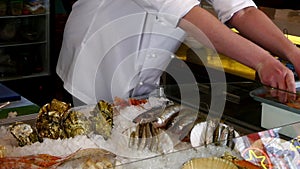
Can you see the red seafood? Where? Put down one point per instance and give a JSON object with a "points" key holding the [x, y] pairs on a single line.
{"points": [[32, 161], [41, 161], [121, 103]]}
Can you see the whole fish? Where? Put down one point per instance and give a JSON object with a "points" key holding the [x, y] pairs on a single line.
{"points": [[149, 115], [167, 115], [182, 124]]}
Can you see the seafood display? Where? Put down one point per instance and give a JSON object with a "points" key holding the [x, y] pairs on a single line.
{"points": [[181, 125], [140, 129], [57, 120], [170, 118]]}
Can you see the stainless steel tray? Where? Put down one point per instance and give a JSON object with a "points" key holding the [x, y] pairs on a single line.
{"points": [[263, 95]]}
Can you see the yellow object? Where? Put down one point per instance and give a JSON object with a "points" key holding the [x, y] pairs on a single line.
{"points": [[294, 39]]}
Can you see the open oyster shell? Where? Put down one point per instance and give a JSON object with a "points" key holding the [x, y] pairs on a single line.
{"points": [[24, 133], [211, 162]]}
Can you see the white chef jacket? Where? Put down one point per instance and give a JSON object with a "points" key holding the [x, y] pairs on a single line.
{"points": [[120, 47]]}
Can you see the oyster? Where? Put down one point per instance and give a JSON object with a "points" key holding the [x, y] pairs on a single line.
{"points": [[48, 123], [75, 123], [59, 106], [102, 119], [57, 120], [24, 133]]}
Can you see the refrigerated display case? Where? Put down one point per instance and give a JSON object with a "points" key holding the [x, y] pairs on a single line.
{"points": [[26, 57], [24, 39], [266, 148]]}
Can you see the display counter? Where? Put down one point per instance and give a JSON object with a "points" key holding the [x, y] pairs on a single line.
{"points": [[267, 149], [236, 140]]}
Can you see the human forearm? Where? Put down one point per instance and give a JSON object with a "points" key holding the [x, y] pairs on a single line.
{"points": [[198, 22], [257, 27], [266, 34]]}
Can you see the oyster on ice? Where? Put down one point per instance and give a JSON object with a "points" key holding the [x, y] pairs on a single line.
{"points": [[75, 123], [24, 133], [48, 123], [102, 119]]}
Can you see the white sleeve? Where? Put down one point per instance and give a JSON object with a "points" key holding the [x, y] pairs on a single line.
{"points": [[169, 11], [226, 8]]}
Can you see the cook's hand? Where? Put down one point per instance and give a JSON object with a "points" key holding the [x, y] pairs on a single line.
{"points": [[273, 73]]}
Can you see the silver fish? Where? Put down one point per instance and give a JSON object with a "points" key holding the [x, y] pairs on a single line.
{"points": [[217, 134], [231, 135], [167, 115], [182, 124], [211, 126], [224, 135]]}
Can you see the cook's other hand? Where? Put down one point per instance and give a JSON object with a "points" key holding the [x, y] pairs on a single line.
{"points": [[274, 74]]}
